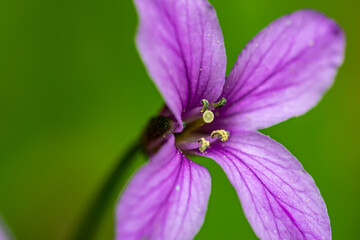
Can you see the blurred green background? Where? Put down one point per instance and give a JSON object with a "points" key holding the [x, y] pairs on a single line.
{"points": [[74, 95]]}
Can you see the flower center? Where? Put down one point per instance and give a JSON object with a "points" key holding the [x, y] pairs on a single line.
{"points": [[194, 135], [192, 132]]}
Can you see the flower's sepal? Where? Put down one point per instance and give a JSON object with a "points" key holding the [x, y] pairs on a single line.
{"points": [[158, 129]]}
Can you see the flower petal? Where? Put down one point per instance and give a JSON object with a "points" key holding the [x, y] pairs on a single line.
{"points": [[166, 199], [3, 232], [283, 71], [280, 200], [181, 44]]}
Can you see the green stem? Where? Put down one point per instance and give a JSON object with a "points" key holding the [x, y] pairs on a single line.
{"points": [[106, 196]]}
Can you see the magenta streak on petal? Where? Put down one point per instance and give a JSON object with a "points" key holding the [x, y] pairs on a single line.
{"points": [[267, 197], [166, 199], [268, 179], [243, 83], [279, 67], [181, 44], [276, 43], [283, 71], [280, 200]]}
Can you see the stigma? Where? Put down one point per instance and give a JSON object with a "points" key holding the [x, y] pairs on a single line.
{"points": [[208, 116]]}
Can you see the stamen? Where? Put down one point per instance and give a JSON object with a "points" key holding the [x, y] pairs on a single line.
{"points": [[205, 104], [220, 103], [204, 144], [221, 134], [208, 116]]}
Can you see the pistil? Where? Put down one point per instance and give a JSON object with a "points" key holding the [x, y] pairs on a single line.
{"points": [[207, 117]]}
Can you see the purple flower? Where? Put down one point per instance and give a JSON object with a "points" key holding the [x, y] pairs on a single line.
{"points": [[281, 73]]}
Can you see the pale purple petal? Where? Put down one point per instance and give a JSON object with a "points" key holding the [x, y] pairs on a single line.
{"points": [[284, 71], [181, 44], [166, 199], [3, 232], [280, 199]]}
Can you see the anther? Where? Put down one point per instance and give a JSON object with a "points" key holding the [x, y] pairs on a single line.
{"points": [[221, 134], [220, 103], [208, 116], [205, 104], [204, 144]]}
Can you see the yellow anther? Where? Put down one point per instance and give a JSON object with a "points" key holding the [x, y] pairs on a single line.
{"points": [[205, 104], [204, 144], [221, 134], [208, 116]]}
